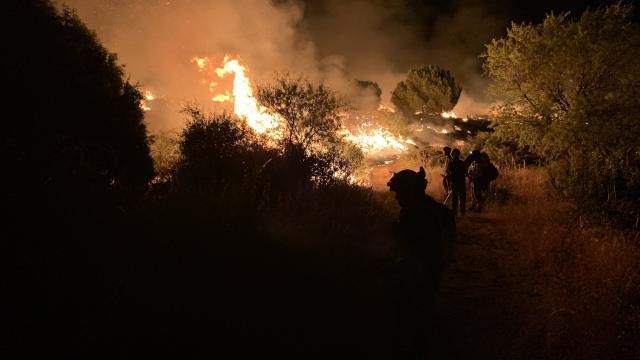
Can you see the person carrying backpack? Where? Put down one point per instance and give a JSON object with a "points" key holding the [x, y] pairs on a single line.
{"points": [[482, 172], [490, 173]]}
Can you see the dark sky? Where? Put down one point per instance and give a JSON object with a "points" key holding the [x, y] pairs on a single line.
{"points": [[423, 16], [404, 33]]}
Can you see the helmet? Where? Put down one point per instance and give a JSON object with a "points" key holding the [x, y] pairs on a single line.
{"points": [[408, 181]]}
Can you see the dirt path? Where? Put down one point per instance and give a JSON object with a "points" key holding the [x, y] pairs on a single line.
{"points": [[478, 312]]}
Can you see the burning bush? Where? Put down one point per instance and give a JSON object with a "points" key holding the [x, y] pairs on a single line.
{"points": [[310, 114], [310, 120], [218, 148]]}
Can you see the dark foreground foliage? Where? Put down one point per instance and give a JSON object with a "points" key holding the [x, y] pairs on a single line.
{"points": [[73, 134]]}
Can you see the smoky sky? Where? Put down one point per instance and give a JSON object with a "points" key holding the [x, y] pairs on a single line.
{"points": [[334, 41]]}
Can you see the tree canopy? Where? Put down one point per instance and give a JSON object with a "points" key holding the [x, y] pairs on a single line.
{"points": [[571, 87], [311, 115], [428, 89], [310, 112]]}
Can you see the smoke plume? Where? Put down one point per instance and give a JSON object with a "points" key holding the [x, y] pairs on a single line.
{"points": [[332, 41]]}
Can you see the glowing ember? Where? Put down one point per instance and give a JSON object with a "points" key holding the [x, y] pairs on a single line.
{"points": [[144, 103], [221, 97], [384, 107], [202, 63], [448, 114], [372, 140]]}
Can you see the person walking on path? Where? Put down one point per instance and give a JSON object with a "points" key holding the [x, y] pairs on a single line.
{"points": [[456, 173]]}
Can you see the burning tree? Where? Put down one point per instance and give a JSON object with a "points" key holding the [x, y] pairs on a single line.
{"points": [[572, 89], [310, 117], [310, 113], [428, 90]]}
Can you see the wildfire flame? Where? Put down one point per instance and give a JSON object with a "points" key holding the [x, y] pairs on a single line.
{"points": [[371, 139], [245, 104], [221, 97], [384, 107], [448, 114], [144, 103]]}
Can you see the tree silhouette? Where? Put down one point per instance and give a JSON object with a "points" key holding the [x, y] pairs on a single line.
{"points": [[428, 89], [311, 147], [310, 113], [216, 147], [74, 134]]}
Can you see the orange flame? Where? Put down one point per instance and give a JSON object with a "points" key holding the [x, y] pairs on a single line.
{"points": [[245, 105], [373, 139], [448, 114], [147, 96], [369, 138], [384, 107]]}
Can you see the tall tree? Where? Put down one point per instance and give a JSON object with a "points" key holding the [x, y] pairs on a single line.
{"points": [[73, 133], [428, 89]]}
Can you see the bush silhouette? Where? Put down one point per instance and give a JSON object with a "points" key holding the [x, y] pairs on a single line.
{"points": [[218, 147]]}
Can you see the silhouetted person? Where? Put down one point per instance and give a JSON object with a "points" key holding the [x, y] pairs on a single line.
{"points": [[490, 173], [446, 151], [473, 156], [479, 175], [427, 231], [456, 172]]}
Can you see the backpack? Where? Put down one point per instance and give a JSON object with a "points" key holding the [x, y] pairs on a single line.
{"points": [[492, 172]]}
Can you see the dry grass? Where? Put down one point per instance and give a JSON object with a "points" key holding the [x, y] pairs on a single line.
{"points": [[583, 279]]}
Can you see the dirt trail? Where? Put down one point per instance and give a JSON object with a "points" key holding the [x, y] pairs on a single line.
{"points": [[478, 311]]}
